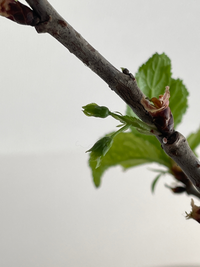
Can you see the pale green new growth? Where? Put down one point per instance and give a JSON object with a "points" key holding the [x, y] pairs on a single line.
{"points": [[133, 148]]}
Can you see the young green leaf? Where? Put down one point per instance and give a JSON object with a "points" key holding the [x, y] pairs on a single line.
{"points": [[129, 150], [139, 125], [132, 149], [194, 140], [99, 149], [154, 75], [152, 78], [103, 112], [178, 100]]}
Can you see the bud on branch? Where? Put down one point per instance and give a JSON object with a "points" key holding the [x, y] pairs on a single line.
{"points": [[16, 11], [195, 213], [160, 112]]}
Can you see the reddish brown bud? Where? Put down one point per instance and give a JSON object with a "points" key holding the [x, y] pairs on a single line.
{"points": [[16, 11], [178, 189], [195, 213], [160, 112], [179, 175]]}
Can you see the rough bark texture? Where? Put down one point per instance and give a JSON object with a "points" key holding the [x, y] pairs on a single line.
{"points": [[175, 145]]}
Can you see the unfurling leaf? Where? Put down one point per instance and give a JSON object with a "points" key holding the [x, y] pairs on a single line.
{"points": [[99, 149], [16, 11]]}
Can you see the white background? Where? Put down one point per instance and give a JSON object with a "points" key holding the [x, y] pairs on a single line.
{"points": [[50, 212]]}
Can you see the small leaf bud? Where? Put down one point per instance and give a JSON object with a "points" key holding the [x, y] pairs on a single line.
{"points": [[96, 111], [100, 148], [160, 112]]}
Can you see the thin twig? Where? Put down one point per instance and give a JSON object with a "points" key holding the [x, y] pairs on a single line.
{"points": [[124, 85]]}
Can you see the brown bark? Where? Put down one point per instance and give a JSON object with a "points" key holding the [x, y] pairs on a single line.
{"points": [[123, 84]]}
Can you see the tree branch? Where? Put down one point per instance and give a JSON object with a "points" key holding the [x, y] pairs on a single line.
{"points": [[178, 149], [122, 84], [174, 144]]}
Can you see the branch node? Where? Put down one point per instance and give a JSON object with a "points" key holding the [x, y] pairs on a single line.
{"points": [[126, 72], [43, 25]]}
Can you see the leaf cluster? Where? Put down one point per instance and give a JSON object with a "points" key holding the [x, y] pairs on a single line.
{"points": [[138, 145]]}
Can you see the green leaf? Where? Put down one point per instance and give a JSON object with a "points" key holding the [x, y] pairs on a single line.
{"points": [[194, 140], [134, 122], [154, 75], [178, 100], [152, 78], [133, 149], [129, 150], [155, 182], [99, 149]]}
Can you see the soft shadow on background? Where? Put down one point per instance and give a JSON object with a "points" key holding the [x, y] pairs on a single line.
{"points": [[51, 213]]}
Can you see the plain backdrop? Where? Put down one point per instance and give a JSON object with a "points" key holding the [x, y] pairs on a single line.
{"points": [[51, 215]]}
